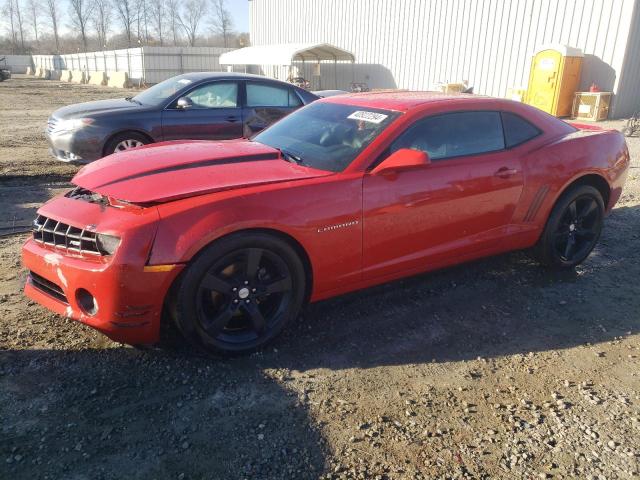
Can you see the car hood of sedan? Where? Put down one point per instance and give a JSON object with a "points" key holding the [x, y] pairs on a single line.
{"points": [[169, 171], [95, 107]]}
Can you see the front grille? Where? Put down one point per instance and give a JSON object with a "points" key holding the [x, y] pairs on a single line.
{"points": [[48, 287], [51, 125], [67, 237]]}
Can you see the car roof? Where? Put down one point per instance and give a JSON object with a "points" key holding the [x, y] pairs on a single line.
{"points": [[197, 76], [405, 100]]}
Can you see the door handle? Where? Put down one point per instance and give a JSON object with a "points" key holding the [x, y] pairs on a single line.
{"points": [[232, 118], [505, 172]]}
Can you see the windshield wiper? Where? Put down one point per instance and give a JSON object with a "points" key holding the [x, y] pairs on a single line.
{"points": [[290, 157], [133, 100]]}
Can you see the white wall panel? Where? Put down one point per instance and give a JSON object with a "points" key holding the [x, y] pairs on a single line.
{"points": [[416, 43], [627, 97], [128, 60], [144, 65], [16, 63]]}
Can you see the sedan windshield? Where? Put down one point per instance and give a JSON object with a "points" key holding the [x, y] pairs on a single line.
{"points": [[162, 91], [326, 136]]}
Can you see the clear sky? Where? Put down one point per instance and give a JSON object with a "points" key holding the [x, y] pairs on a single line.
{"points": [[239, 9]]}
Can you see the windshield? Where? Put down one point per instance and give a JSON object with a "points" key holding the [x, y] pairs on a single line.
{"points": [[162, 91], [327, 136]]}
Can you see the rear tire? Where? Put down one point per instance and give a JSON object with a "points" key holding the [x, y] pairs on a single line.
{"points": [[125, 141], [239, 293], [573, 228]]}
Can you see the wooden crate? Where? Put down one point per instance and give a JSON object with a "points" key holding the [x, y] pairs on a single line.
{"points": [[592, 106], [450, 87], [517, 94]]}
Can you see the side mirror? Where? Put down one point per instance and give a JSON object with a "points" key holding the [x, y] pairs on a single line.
{"points": [[403, 159], [183, 103]]}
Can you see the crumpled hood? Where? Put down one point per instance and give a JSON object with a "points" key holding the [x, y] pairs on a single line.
{"points": [[96, 107], [168, 171]]}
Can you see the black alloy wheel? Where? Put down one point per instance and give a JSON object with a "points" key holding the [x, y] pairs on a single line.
{"points": [[243, 295], [578, 229], [240, 293], [573, 228]]}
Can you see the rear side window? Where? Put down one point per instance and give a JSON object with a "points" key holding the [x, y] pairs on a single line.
{"points": [[517, 130], [260, 95], [294, 99], [454, 135]]}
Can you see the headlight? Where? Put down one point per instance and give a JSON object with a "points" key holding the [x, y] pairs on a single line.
{"points": [[73, 124], [107, 244]]}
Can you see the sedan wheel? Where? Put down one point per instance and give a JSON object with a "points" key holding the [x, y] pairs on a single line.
{"points": [[127, 145], [125, 141], [239, 293]]}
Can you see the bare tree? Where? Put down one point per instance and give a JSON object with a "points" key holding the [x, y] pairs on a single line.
{"points": [[222, 21], [157, 10], [52, 7], [192, 13], [34, 17], [9, 11], [126, 11], [101, 20], [142, 21], [174, 24], [81, 11], [19, 23]]}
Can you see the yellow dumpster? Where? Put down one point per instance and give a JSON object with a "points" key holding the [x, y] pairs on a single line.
{"points": [[554, 78]]}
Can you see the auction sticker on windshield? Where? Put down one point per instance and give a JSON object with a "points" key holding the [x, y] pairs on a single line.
{"points": [[372, 117]]}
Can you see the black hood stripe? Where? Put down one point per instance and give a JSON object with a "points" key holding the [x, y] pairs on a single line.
{"points": [[199, 164]]}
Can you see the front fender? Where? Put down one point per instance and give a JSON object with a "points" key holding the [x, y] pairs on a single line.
{"points": [[185, 230], [145, 123], [310, 214]]}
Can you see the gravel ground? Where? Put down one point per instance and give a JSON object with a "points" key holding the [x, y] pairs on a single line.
{"points": [[494, 369]]}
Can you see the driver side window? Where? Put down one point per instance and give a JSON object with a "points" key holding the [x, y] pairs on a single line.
{"points": [[454, 135], [215, 95]]}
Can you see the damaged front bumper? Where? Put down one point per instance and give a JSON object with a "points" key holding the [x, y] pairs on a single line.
{"points": [[118, 295]]}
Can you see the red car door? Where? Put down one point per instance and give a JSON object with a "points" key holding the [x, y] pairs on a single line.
{"points": [[458, 204]]}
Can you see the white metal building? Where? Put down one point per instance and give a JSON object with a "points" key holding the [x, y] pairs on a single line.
{"points": [[415, 44]]}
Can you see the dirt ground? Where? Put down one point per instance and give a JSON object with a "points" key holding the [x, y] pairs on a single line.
{"points": [[495, 369]]}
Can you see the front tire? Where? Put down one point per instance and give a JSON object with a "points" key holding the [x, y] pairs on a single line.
{"points": [[573, 228], [125, 141], [239, 293]]}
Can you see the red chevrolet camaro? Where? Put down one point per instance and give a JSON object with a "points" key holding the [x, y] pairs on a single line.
{"points": [[227, 240]]}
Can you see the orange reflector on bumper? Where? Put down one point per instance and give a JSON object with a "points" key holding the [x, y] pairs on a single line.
{"points": [[159, 268]]}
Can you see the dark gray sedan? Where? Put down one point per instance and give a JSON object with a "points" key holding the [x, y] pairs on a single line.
{"points": [[201, 106]]}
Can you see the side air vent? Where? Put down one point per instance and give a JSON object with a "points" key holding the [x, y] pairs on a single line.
{"points": [[536, 203]]}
